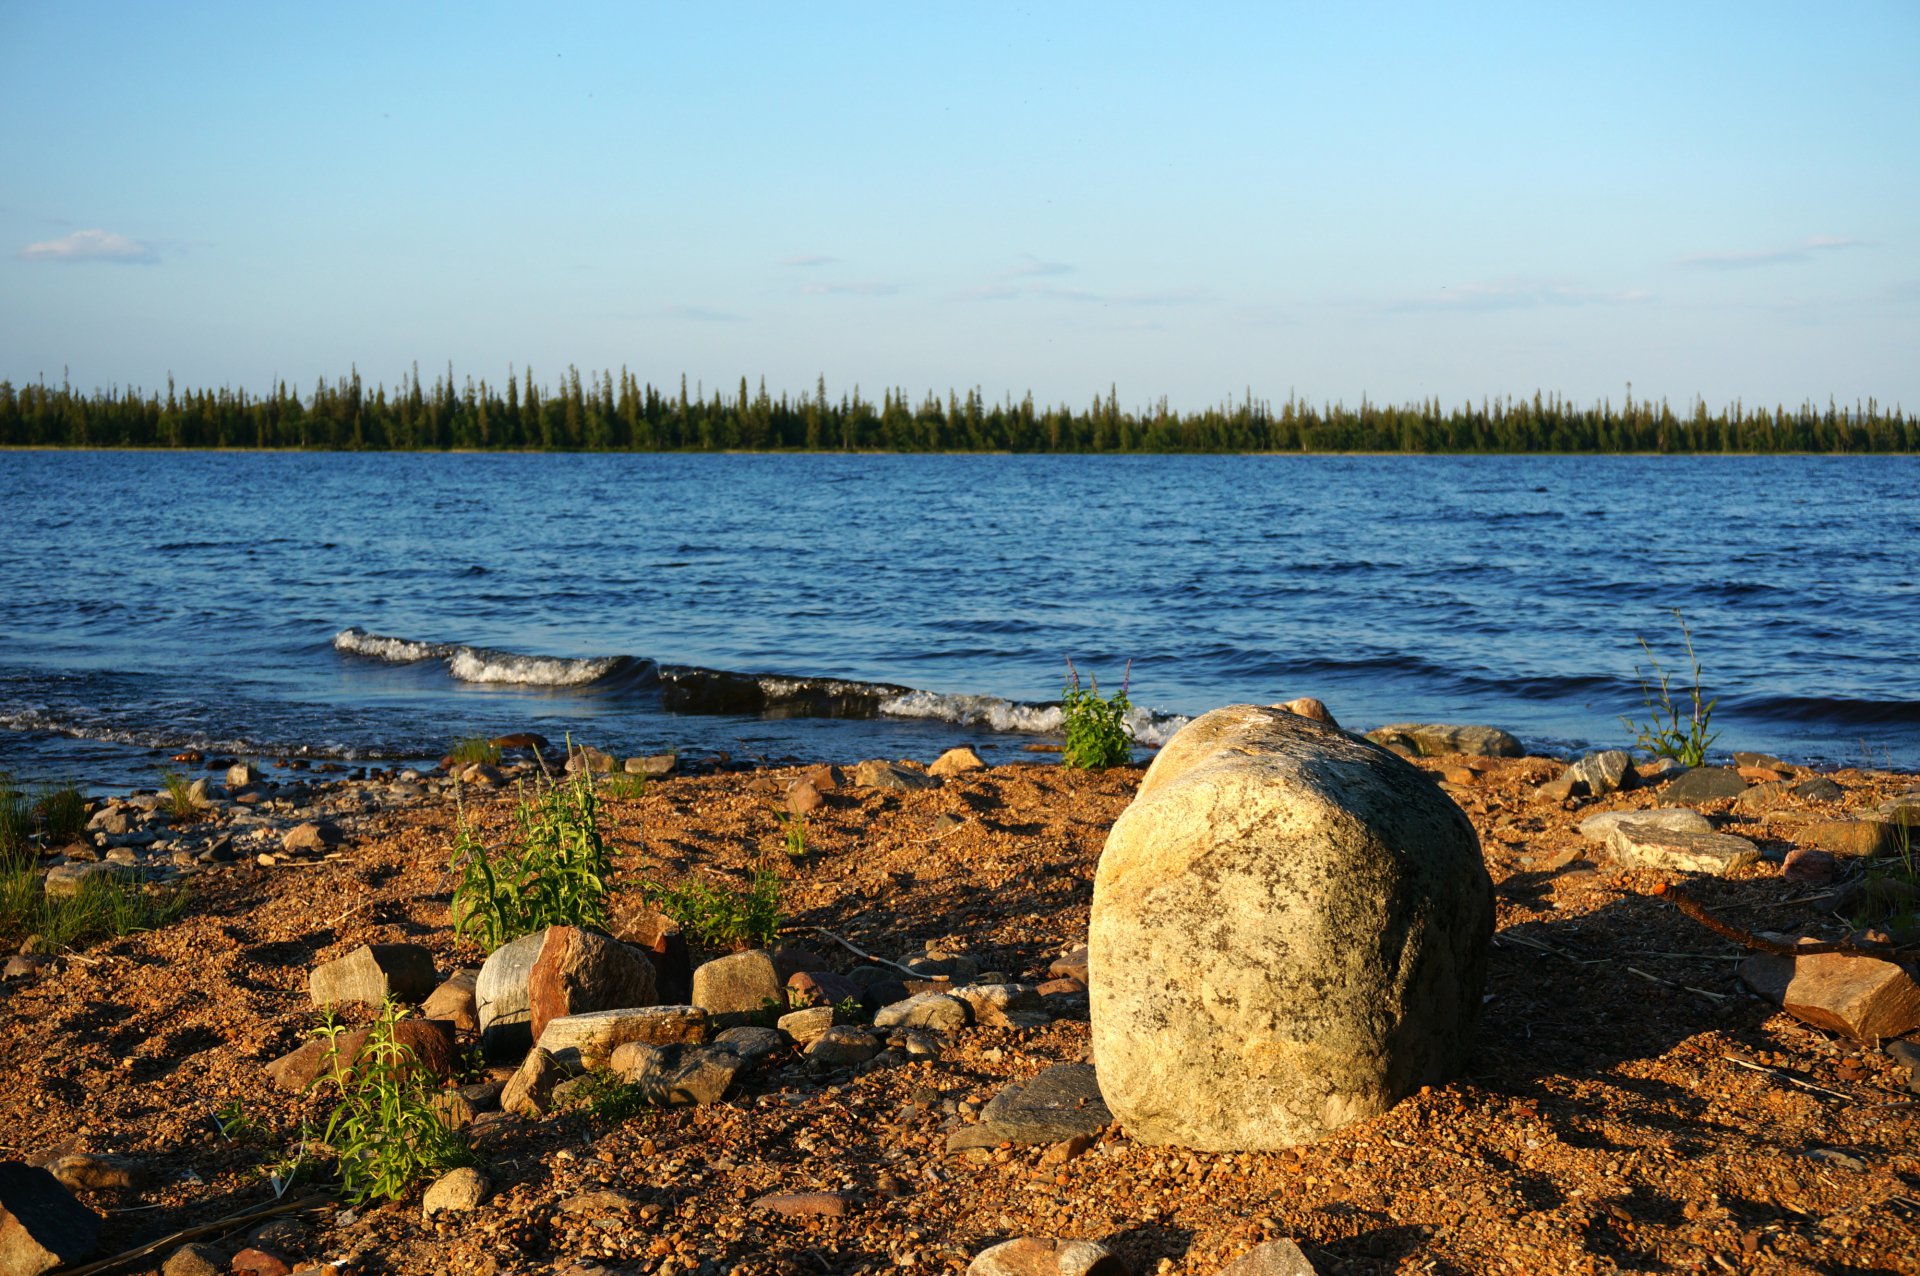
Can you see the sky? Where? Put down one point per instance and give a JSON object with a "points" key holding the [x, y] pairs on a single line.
{"points": [[1396, 201]]}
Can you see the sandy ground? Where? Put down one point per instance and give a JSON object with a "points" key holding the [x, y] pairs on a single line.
{"points": [[1630, 1106]]}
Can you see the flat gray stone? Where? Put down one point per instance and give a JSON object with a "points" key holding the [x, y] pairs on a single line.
{"points": [[588, 1041], [886, 775], [1274, 1258], [736, 988], [1603, 773], [753, 1045], [1646, 846], [935, 1010], [1060, 1103], [371, 974], [1704, 784], [1431, 739], [1600, 827]]}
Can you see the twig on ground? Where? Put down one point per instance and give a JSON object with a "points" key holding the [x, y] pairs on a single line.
{"points": [[1716, 996], [1788, 1077], [1747, 939], [226, 1224], [857, 952]]}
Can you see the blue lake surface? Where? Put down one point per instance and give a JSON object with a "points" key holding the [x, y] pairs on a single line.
{"points": [[380, 606]]}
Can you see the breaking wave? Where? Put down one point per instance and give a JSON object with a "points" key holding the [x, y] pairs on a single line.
{"points": [[694, 689], [482, 664]]}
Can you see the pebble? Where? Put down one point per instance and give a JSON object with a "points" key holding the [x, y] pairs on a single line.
{"points": [[805, 1204]]}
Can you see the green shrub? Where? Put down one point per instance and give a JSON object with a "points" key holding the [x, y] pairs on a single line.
{"points": [[557, 875], [62, 813], [612, 1100], [1098, 735], [106, 906], [630, 788], [474, 748], [1673, 730], [16, 824], [719, 916], [384, 1129], [180, 801]]}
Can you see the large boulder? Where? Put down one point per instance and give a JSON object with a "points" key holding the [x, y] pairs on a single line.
{"points": [[1289, 933], [41, 1225], [500, 999], [580, 971]]}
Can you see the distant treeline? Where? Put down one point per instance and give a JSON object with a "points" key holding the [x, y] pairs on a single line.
{"points": [[609, 413]]}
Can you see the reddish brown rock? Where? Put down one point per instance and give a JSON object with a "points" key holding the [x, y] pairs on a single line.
{"points": [[430, 1040], [803, 798], [259, 1262], [311, 838], [1805, 865], [821, 988], [956, 762], [580, 971], [791, 959], [453, 1001], [661, 938], [805, 1204], [1860, 997], [1071, 966]]}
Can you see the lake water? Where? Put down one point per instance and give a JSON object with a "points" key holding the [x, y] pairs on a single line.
{"points": [[381, 606]]}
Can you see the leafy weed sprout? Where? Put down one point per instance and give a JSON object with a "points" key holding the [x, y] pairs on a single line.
{"points": [[1673, 730], [1098, 735], [557, 875], [384, 1129], [627, 788], [180, 800], [793, 835], [720, 916], [611, 1100], [104, 906], [472, 749]]}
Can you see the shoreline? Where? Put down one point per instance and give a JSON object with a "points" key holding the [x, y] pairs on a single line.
{"points": [[1610, 1117]]}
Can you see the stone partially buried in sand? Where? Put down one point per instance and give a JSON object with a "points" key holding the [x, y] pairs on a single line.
{"points": [[1289, 933], [1431, 739], [1637, 845], [500, 999], [1861, 997]]}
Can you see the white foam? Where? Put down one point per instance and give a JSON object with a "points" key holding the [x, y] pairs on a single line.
{"points": [[474, 664], [998, 714], [400, 651]]}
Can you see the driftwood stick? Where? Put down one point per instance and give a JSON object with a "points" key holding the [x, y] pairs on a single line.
{"points": [[1747, 939], [857, 952], [226, 1224]]}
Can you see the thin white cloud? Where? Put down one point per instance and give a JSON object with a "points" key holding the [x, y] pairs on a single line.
{"points": [[808, 259], [1517, 294], [92, 245], [993, 292], [700, 314], [1162, 297], [1803, 251], [866, 288], [1031, 267]]}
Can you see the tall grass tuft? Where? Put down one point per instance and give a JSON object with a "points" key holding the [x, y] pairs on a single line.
{"points": [[557, 875], [384, 1129], [105, 906]]}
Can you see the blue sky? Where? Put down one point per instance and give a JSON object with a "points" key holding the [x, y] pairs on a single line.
{"points": [[1389, 200]]}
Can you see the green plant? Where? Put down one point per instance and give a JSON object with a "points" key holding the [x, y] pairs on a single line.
{"points": [[234, 1124], [630, 788], [384, 1129], [16, 824], [1673, 730], [62, 813], [610, 1099], [1098, 734], [472, 749], [793, 835], [181, 803], [105, 905], [557, 875], [719, 916]]}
